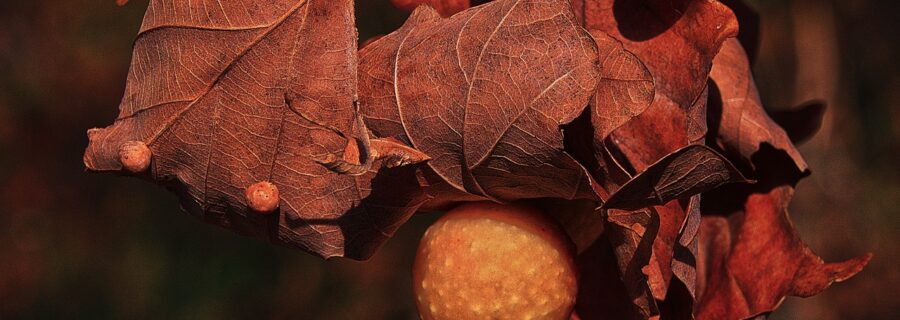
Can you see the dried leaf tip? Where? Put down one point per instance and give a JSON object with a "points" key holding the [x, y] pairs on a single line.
{"points": [[262, 197], [134, 156]]}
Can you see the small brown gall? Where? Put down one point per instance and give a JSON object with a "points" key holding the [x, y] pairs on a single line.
{"points": [[134, 156], [262, 197], [490, 261]]}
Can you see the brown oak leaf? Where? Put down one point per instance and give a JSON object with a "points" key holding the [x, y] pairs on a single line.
{"points": [[625, 91], [665, 36], [484, 94], [227, 94], [751, 257], [691, 170], [632, 234], [681, 175]]}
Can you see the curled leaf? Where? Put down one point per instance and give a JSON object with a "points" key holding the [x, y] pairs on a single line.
{"points": [[487, 107], [665, 36], [739, 123], [359, 156], [625, 91], [632, 234], [653, 244], [691, 170], [751, 257]]}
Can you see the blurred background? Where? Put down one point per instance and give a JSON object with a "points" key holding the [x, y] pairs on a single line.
{"points": [[74, 244]]}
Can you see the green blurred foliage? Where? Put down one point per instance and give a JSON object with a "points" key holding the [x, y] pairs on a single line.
{"points": [[80, 245]]}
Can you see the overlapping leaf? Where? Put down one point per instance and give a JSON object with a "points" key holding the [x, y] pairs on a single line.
{"points": [[751, 256], [625, 91], [664, 35], [227, 94], [484, 93], [686, 172]]}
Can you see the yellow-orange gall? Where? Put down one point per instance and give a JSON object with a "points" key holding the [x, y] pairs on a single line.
{"points": [[134, 156], [262, 197], [491, 261]]}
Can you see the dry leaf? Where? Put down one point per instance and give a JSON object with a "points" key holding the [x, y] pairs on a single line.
{"points": [[739, 122], [225, 98], [751, 256], [487, 107], [503, 101], [625, 91], [749, 21], [665, 36], [632, 234], [691, 170]]}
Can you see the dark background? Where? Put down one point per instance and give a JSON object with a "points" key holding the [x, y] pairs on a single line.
{"points": [[74, 244]]}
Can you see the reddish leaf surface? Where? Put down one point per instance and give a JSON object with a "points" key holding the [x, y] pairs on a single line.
{"points": [[491, 102], [751, 256], [652, 244], [227, 95], [686, 172], [684, 248], [625, 91], [501, 79], [665, 36]]}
